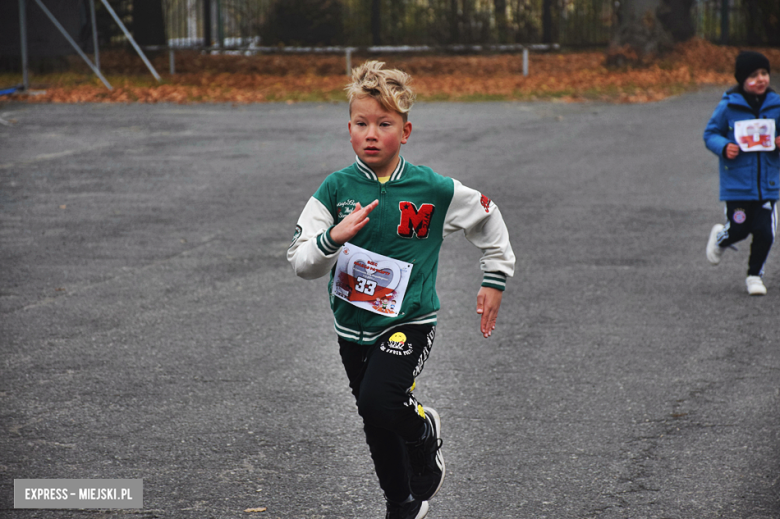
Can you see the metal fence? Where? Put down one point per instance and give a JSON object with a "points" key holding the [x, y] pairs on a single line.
{"points": [[742, 22], [395, 22], [569, 23]]}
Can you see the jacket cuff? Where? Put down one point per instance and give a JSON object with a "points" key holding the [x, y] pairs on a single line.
{"points": [[326, 245], [495, 280]]}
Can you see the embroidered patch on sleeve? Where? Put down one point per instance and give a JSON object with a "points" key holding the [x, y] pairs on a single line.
{"points": [[485, 201], [298, 231]]}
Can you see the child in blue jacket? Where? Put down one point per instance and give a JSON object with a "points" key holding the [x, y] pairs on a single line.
{"points": [[742, 132]]}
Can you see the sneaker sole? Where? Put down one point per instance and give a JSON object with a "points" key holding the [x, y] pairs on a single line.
{"points": [[423, 511], [439, 456]]}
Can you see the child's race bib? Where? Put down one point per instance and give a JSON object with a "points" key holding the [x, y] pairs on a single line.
{"points": [[371, 281], [755, 134]]}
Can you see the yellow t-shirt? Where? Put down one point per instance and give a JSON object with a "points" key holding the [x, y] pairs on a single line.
{"points": [[382, 180]]}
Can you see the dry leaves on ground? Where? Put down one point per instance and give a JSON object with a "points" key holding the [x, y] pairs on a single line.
{"points": [[575, 76]]}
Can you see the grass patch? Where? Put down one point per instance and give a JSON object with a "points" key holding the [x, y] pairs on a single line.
{"points": [[481, 98], [435, 97]]}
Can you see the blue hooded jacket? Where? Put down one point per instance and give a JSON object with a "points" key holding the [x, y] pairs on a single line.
{"points": [[751, 175]]}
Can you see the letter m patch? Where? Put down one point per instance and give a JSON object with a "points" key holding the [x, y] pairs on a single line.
{"points": [[415, 221]]}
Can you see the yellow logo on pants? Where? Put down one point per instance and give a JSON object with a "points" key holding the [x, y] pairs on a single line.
{"points": [[398, 337], [397, 345]]}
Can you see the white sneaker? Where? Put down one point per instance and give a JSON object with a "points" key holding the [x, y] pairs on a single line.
{"points": [[714, 252], [755, 286]]}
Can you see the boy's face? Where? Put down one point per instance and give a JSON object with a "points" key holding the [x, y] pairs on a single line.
{"points": [[376, 134], [757, 82]]}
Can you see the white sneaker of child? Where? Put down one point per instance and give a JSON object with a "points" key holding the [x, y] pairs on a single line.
{"points": [[755, 286], [714, 252]]}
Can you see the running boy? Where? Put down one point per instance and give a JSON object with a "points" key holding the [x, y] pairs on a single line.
{"points": [[742, 132], [383, 278]]}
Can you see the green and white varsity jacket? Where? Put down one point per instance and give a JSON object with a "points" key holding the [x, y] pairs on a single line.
{"points": [[417, 209]]}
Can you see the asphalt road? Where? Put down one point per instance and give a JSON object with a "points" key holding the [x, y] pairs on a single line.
{"points": [[151, 328]]}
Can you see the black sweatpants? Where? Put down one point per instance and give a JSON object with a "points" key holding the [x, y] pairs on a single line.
{"points": [[751, 217], [381, 377]]}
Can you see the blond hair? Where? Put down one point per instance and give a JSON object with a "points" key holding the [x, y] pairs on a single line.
{"points": [[390, 87]]}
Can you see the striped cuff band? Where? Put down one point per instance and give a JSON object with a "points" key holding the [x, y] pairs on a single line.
{"points": [[326, 244], [495, 280]]}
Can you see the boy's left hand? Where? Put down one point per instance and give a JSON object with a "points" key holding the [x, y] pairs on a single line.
{"points": [[488, 303], [351, 225], [777, 142]]}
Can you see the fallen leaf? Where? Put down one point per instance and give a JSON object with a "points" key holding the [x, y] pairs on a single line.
{"points": [[562, 76], [253, 510]]}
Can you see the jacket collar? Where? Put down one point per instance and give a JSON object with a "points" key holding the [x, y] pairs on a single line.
{"points": [[735, 98], [369, 173], [772, 99]]}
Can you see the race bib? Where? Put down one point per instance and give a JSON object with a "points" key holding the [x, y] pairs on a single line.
{"points": [[371, 281], [755, 134]]}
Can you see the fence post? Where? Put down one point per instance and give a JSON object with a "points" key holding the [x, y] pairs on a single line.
{"points": [[348, 52], [525, 61], [171, 61], [724, 21], [94, 33], [23, 34]]}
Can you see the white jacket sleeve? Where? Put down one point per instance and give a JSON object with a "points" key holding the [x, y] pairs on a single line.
{"points": [[484, 226], [312, 253]]}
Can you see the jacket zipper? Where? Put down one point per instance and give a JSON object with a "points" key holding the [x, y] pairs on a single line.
{"points": [[382, 193], [758, 160], [377, 233]]}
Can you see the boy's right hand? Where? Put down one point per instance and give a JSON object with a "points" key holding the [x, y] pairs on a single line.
{"points": [[732, 150], [351, 225]]}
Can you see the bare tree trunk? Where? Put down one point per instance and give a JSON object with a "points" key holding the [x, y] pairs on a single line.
{"points": [[207, 23], [148, 22], [764, 21], [454, 21], [649, 28], [376, 22], [501, 28], [752, 23], [547, 21], [675, 17]]}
